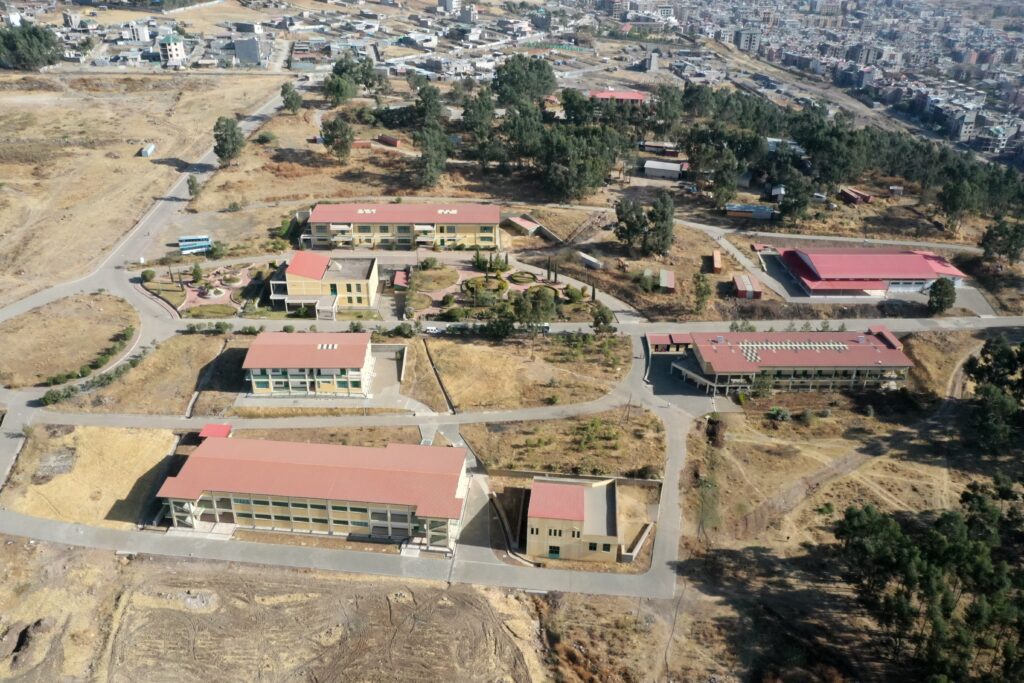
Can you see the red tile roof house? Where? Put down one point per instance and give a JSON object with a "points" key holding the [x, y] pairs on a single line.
{"points": [[573, 519], [314, 280], [404, 226], [310, 364], [728, 363], [866, 272], [394, 493]]}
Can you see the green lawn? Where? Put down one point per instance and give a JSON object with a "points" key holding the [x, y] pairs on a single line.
{"points": [[418, 301], [358, 315], [168, 291], [211, 311]]}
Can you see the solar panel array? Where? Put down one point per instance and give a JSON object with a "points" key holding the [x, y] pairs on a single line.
{"points": [[751, 350]]}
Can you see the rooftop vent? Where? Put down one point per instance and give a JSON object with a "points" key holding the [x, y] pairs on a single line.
{"points": [[861, 338], [327, 347]]}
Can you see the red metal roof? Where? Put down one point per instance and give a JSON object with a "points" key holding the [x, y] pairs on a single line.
{"points": [[307, 350], [556, 500], [426, 477], [873, 264], [221, 430], [483, 214], [308, 264], [619, 95], [732, 352], [659, 339], [745, 283], [401, 279]]}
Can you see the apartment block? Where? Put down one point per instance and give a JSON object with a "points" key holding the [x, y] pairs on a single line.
{"points": [[309, 364], [396, 493], [404, 226], [325, 285], [573, 519]]}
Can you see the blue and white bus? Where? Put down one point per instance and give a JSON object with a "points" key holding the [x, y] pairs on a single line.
{"points": [[194, 244]]}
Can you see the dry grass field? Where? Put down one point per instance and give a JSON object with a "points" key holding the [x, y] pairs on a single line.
{"points": [[36, 345], [619, 442], [101, 476], [543, 372], [69, 164], [339, 436], [562, 222], [90, 615], [163, 383], [768, 497]]}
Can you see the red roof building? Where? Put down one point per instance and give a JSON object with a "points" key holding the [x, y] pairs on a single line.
{"points": [[310, 364], [400, 491], [730, 362], [573, 519], [634, 96], [404, 226], [867, 272], [454, 214], [308, 264], [218, 430]]}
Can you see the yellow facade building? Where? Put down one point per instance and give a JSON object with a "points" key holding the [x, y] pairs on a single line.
{"points": [[573, 519], [326, 285], [310, 364], [404, 226]]}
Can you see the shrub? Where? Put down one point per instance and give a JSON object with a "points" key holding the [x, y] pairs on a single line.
{"points": [[551, 400], [288, 328], [573, 294], [806, 417], [234, 206], [779, 415], [148, 275], [356, 326], [825, 509], [404, 330], [447, 300], [265, 138], [222, 327], [429, 263], [250, 330]]}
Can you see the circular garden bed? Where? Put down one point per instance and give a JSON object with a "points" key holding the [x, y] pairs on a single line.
{"points": [[537, 288], [493, 284], [522, 277]]}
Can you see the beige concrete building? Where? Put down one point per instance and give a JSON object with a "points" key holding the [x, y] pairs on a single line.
{"points": [[310, 364], [404, 226], [397, 493], [573, 519], [326, 285]]}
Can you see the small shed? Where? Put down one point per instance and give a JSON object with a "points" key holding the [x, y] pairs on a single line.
{"points": [[746, 287], [754, 211], [716, 261], [147, 150], [667, 280], [389, 140], [895, 190], [215, 430], [662, 169]]}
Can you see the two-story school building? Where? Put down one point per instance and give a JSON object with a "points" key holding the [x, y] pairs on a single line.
{"points": [[573, 519], [325, 285], [394, 493], [404, 226], [730, 362], [309, 364]]}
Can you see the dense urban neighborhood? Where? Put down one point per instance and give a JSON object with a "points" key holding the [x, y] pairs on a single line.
{"points": [[511, 341]]}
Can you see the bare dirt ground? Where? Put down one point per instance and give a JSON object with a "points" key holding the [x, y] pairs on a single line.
{"points": [[550, 373], [420, 382], [769, 495], [69, 164], [619, 442], [690, 254], [88, 615], [101, 476], [562, 222], [34, 346], [342, 436], [163, 383]]}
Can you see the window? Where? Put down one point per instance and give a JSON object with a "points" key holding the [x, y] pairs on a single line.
{"points": [[359, 287], [534, 531], [399, 517], [259, 516], [379, 516], [607, 547], [348, 286], [280, 503], [317, 506], [365, 228], [593, 547], [355, 384], [575, 533], [241, 501], [404, 229], [383, 228], [262, 384], [486, 228], [319, 520], [359, 299], [340, 508], [486, 238], [554, 532], [256, 501], [300, 519], [350, 299], [351, 509], [243, 515], [358, 523]]}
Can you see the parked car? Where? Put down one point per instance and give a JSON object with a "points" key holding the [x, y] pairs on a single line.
{"points": [[432, 330]]}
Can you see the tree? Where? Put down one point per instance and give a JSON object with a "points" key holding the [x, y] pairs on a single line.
{"points": [[798, 196], [478, 118], [631, 222], [652, 232], [197, 273], [428, 105], [957, 198], [291, 98], [603, 318], [361, 72], [28, 47], [433, 146], [337, 136], [1003, 239], [941, 296], [993, 415], [523, 131], [726, 168], [534, 306], [701, 291], [147, 275], [228, 139], [578, 108], [338, 89], [999, 363], [194, 188], [523, 78]]}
